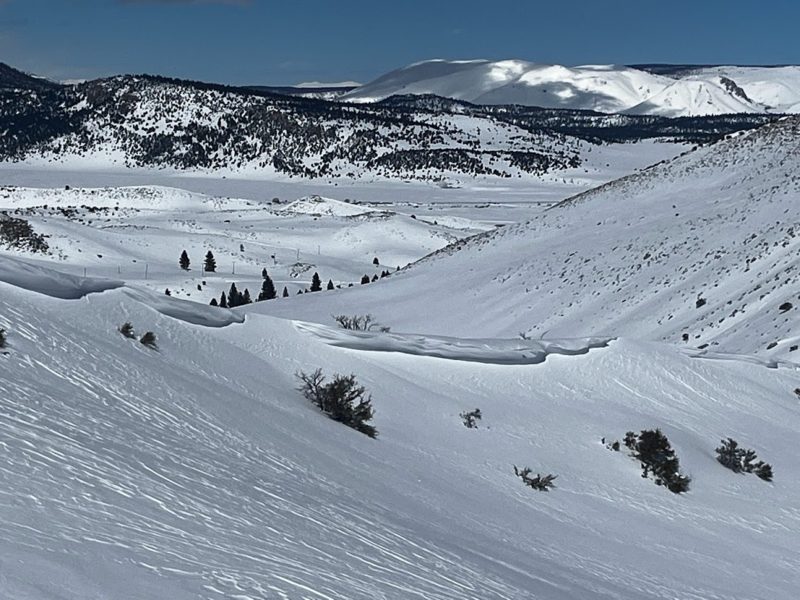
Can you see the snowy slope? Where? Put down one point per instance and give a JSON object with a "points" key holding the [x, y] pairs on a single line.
{"points": [[197, 471], [776, 87], [704, 245], [137, 233], [696, 97], [602, 88]]}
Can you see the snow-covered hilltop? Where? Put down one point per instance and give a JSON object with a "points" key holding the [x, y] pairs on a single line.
{"points": [[602, 88]]}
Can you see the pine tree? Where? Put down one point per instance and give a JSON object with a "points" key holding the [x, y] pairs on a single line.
{"points": [[167, 292], [246, 297], [223, 301], [214, 302], [365, 279], [264, 274], [316, 283], [234, 297], [267, 289], [375, 277], [285, 292], [210, 264], [375, 261], [184, 261], [730, 455], [330, 284]]}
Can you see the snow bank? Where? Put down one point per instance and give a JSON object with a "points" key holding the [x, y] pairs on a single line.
{"points": [[489, 351], [50, 282], [185, 310]]}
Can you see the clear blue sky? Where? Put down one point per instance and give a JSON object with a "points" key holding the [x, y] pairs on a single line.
{"points": [[289, 41]]}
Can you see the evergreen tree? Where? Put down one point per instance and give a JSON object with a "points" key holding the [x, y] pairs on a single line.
{"points": [[316, 283], [267, 289], [264, 274], [246, 297], [223, 301], [365, 279], [375, 277], [167, 292], [214, 302], [730, 455], [210, 262], [234, 297], [330, 284], [285, 292], [375, 261], [184, 261]]}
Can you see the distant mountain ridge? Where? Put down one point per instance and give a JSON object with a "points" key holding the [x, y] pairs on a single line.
{"points": [[666, 90], [14, 79], [150, 121]]}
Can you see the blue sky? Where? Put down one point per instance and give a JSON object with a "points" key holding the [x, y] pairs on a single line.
{"points": [[282, 42]]}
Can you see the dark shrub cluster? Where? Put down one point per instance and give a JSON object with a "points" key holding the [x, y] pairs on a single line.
{"points": [[18, 233], [742, 460], [359, 323], [543, 483], [148, 338], [471, 418], [342, 399], [652, 448]]}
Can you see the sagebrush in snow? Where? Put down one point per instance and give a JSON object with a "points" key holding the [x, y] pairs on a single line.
{"points": [[471, 418], [360, 323], [149, 339], [342, 399], [543, 483], [126, 329]]}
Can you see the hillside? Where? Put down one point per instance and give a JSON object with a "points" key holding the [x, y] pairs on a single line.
{"points": [[702, 246], [198, 471], [601, 88], [154, 122], [145, 122], [14, 79]]}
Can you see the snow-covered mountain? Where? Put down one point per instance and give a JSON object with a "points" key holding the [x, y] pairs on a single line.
{"points": [[154, 122], [144, 121], [602, 88], [700, 250]]}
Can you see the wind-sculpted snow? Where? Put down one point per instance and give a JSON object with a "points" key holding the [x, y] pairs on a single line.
{"points": [[184, 310], [490, 351], [198, 471], [50, 282]]}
